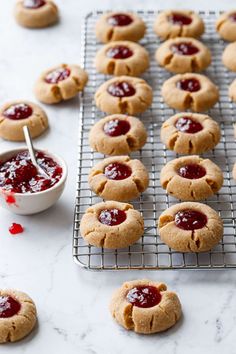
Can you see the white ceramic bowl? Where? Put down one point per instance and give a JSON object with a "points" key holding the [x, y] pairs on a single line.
{"points": [[32, 203]]}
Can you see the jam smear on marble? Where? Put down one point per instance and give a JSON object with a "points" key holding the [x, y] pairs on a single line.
{"points": [[57, 75], [190, 219], [144, 296], [116, 127], [188, 125], [184, 49], [121, 89], [112, 217], [117, 171], [8, 306], [119, 52], [179, 19], [19, 175], [34, 4], [18, 111], [192, 171], [15, 229], [119, 20], [191, 85]]}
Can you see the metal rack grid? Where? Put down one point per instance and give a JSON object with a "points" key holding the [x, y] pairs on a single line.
{"points": [[150, 252]]}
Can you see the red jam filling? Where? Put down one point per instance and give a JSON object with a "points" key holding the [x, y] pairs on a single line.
{"points": [[18, 111], [184, 49], [190, 220], [233, 17], [119, 20], [15, 229], [144, 296], [121, 89], [119, 52], [8, 306], [57, 75], [116, 127], [179, 19], [191, 85], [112, 217], [34, 4], [117, 171], [19, 175], [192, 171], [187, 125]]}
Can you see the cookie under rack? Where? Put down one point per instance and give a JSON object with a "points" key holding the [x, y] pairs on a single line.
{"points": [[150, 253]]}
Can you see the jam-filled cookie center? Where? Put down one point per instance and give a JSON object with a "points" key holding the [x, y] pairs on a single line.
{"points": [[191, 85], [8, 306], [192, 171], [179, 19], [18, 111], [144, 296], [117, 171], [57, 75], [119, 52], [184, 48], [112, 217], [119, 20], [33, 4], [116, 127], [190, 219], [121, 89], [188, 125], [232, 17]]}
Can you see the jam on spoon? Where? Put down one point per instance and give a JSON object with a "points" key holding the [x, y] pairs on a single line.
{"points": [[144, 296], [112, 217]]}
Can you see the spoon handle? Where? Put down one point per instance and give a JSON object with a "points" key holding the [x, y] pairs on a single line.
{"points": [[30, 145]]}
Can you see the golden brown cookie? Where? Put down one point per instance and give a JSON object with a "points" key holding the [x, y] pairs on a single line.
{"points": [[15, 114], [178, 23], [122, 58], [191, 178], [190, 227], [118, 178], [228, 57], [145, 306], [190, 91], [120, 26], [111, 225], [190, 133], [17, 315], [117, 134], [226, 26], [181, 55], [124, 94], [59, 83], [36, 13]]}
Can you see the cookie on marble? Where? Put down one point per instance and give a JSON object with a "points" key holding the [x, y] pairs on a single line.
{"points": [[190, 133], [181, 55], [15, 114], [124, 94], [36, 13], [191, 178], [117, 134], [118, 178], [228, 57], [190, 227], [178, 23], [17, 315], [226, 26], [145, 306], [120, 26], [111, 225], [60, 83], [190, 91], [122, 58]]}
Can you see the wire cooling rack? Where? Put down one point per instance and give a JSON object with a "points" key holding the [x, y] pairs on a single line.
{"points": [[149, 252]]}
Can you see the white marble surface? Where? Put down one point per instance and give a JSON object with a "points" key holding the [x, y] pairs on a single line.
{"points": [[72, 303]]}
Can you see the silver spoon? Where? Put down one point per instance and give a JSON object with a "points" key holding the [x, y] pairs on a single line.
{"points": [[30, 146]]}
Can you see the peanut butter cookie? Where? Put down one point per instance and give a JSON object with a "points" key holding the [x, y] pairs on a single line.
{"points": [[228, 57], [226, 26]]}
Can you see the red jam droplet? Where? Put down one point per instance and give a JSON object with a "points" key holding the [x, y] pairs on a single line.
{"points": [[18, 111], [191, 85], [19, 175], [15, 229], [184, 49], [34, 4], [116, 127], [112, 217], [117, 171], [119, 20], [119, 52], [57, 75], [233, 17], [10, 199], [180, 19], [144, 296], [190, 220], [121, 89], [187, 125], [8, 306], [192, 171]]}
